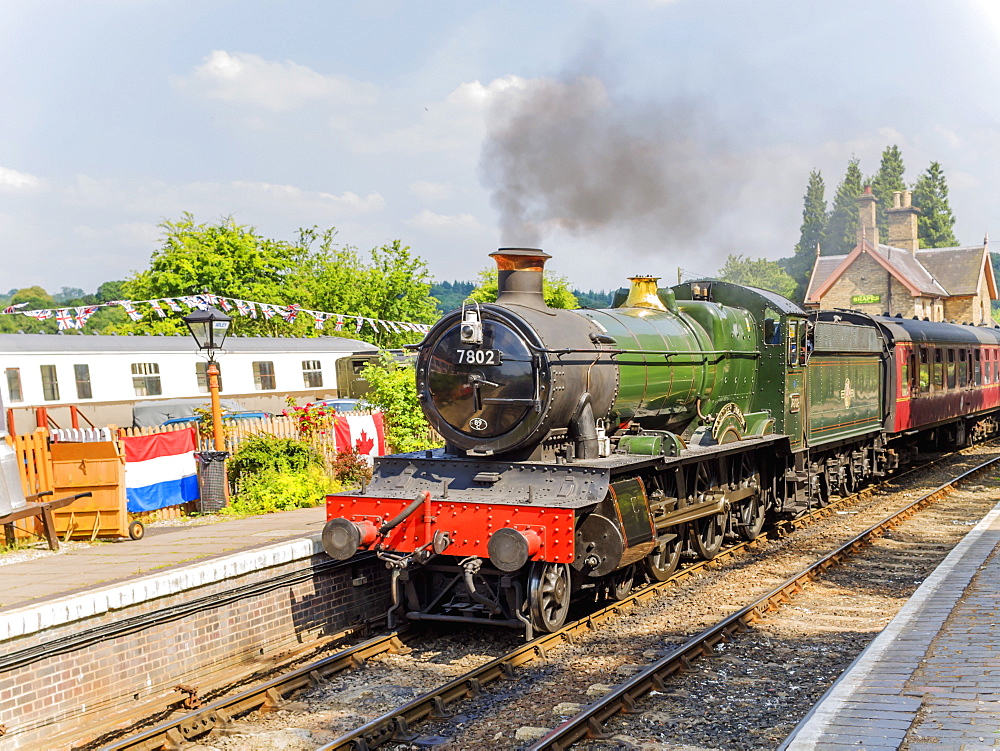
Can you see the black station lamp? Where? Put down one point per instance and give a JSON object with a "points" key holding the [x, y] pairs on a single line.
{"points": [[209, 328]]}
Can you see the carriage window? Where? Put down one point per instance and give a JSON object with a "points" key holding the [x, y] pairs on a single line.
{"points": [[978, 375], [904, 375], [925, 378], [263, 375], [312, 374], [201, 373], [146, 379], [50, 383], [963, 369], [82, 374], [14, 384], [938, 373], [951, 368]]}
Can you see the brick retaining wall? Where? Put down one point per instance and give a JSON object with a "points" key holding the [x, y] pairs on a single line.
{"points": [[59, 697]]}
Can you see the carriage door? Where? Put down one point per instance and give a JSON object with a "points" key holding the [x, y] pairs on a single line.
{"points": [[795, 381]]}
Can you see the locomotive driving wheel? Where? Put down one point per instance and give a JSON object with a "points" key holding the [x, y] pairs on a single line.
{"points": [[709, 531], [662, 562], [749, 513], [548, 595]]}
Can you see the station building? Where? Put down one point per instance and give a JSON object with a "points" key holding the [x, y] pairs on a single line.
{"points": [[900, 278]]}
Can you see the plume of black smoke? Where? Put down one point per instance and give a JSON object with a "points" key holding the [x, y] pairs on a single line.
{"points": [[567, 155]]}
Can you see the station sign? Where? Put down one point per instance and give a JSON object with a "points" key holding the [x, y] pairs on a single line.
{"points": [[865, 299]]}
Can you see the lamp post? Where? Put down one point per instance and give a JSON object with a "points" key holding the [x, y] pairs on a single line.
{"points": [[209, 328]]}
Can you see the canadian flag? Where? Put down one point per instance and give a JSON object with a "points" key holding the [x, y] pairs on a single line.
{"points": [[363, 432]]}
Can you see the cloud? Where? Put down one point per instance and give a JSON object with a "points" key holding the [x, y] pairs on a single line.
{"points": [[347, 201], [446, 224], [430, 191], [455, 123], [244, 79], [20, 182]]}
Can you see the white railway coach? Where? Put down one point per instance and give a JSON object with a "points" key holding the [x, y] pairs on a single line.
{"points": [[103, 376]]}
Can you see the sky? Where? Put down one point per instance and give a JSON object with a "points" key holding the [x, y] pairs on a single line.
{"points": [[627, 137]]}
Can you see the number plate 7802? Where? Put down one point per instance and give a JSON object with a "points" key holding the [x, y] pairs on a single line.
{"points": [[472, 356]]}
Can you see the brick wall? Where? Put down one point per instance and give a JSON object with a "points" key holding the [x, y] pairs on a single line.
{"points": [[49, 702], [866, 276]]}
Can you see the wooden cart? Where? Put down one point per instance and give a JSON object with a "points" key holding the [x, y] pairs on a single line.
{"points": [[97, 468]]}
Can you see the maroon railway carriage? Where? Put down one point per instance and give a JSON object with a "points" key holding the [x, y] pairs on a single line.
{"points": [[943, 375], [939, 375]]}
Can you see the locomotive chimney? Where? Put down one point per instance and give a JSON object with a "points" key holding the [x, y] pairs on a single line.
{"points": [[519, 276], [644, 293]]}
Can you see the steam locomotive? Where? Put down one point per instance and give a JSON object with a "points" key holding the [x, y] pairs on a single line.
{"points": [[588, 448]]}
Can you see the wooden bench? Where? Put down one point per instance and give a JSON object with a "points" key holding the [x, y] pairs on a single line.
{"points": [[42, 509]]}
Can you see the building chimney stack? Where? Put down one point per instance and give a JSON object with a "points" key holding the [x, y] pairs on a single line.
{"points": [[867, 224], [903, 231]]}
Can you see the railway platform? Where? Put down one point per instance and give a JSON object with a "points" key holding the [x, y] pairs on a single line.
{"points": [[931, 679], [167, 558]]}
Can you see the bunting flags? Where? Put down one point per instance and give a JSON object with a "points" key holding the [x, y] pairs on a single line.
{"points": [[65, 319], [291, 313], [76, 318], [246, 308], [84, 314]]}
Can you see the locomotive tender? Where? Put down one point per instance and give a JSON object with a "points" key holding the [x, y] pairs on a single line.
{"points": [[587, 448]]}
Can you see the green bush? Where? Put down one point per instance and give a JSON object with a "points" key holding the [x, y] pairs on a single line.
{"points": [[276, 474], [392, 388], [274, 490], [261, 452]]}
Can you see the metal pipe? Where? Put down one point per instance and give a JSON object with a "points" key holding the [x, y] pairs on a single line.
{"points": [[404, 514]]}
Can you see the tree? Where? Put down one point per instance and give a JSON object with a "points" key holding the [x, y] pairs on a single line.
{"points": [[884, 183], [812, 234], [936, 223], [555, 289], [69, 296], [394, 286], [36, 298], [842, 229], [758, 273], [110, 291], [225, 259]]}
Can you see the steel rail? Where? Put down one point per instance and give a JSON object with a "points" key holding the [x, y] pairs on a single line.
{"points": [[268, 695], [588, 723], [394, 725]]}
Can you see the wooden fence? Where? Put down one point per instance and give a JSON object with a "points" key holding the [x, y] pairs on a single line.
{"points": [[34, 460], [238, 431]]}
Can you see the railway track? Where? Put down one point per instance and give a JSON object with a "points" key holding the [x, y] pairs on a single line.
{"points": [[436, 708]]}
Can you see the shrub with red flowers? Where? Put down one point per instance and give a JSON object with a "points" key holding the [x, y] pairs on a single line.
{"points": [[310, 420], [351, 468]]}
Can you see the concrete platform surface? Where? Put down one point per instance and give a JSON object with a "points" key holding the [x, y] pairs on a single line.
{"points": [[78, 581], [931, 679]]}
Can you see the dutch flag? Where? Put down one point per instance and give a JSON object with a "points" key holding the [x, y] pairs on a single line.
{"points": [[160, 470]]}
